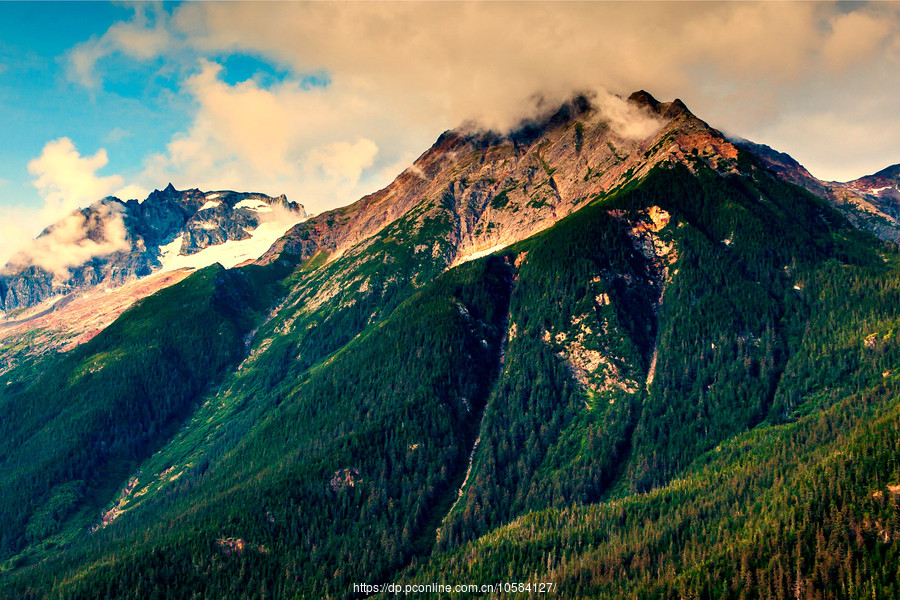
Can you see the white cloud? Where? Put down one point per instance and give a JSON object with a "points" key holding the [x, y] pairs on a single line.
{"points": [[131, 192], [18, 227], [484, 60], [625, 119], [739, 65], [313, 144], [343, 162], [402, 72], [74, 240], [68, 180], [144, 37]]}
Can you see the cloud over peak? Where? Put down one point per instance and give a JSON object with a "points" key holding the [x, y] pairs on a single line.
{"points": [[392, 76], [76, 239], [67, 180]]}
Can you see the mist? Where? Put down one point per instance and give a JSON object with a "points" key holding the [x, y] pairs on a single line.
{"points": [[75, 240]]}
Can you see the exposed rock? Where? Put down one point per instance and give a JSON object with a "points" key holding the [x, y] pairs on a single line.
{"points": [[231, 544], [110, 515], [113, 242], [499, 189], [63, 323], [344, 478]]}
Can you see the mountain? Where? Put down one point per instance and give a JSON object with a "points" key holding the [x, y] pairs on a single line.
{"points": [[610, 354], [73, 319], [872, 203], [496, 189], [112, 242]]}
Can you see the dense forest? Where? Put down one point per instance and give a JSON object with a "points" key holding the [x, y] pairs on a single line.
{"points": [[687, 388]]}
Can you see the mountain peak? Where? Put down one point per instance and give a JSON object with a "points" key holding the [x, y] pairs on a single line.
{"points": [[645, 98], [674, 109], [892, 172], [667, 110], [170, 189]]}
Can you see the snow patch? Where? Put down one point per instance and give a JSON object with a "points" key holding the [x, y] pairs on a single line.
{"points": [[212, 195], [210, 204], [229, 254], [171, 249], [254, 204]]}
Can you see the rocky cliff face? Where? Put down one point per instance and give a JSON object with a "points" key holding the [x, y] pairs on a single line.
{"points": [[112, 242]]}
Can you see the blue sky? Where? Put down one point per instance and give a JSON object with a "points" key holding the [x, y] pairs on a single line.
{"points": [[36, 99], [328, 101]]}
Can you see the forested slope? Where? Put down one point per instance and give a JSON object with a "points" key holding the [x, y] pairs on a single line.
{"points": [[686, 387]]}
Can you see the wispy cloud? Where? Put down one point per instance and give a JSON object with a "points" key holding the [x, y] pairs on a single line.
{"points": [[625, 119], [144, 37], [117, 135]]}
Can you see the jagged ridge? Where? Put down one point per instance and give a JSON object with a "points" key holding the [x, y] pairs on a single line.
{"points": [[119, 241]]}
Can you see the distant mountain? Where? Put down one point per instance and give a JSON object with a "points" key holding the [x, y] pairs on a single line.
{"points": [[609, 354], [872, 203], [113, 242], [881, 189]]}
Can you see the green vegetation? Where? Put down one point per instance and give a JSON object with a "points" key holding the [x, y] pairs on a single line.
{"points": [[74, 425], [615, 153], [499, 201], [328, 469], [688, 388]]}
